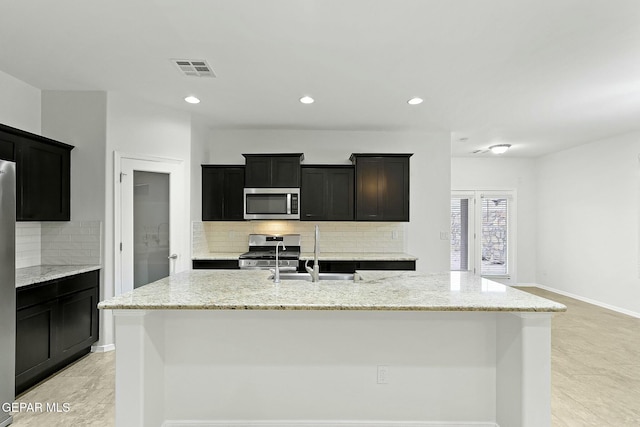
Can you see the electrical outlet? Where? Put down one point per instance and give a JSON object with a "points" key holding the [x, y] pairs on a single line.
{"points": [[445, 235], [383, 374], [394, 235]]}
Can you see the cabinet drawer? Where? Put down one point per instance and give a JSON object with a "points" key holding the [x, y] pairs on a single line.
{"points": [[78, 283]]}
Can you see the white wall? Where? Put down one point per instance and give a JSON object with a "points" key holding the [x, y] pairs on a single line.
{"points": [[79, 118], [199, 152], [505, 173], [588, 213], [19, 104], [430, 172], [138, 127]]}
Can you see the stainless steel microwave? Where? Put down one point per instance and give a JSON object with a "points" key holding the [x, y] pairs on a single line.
{"points": [[271, 203]]}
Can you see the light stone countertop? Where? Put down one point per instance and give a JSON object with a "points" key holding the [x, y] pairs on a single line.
{"points": [[326, 256], [359, 256], [379, 290], [43, 273], [217, 255]]}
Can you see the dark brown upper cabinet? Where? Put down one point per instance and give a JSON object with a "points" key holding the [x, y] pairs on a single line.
{"points": [[222, 193], [273, 170], [43, 175], [327, 193], [382, 186]]}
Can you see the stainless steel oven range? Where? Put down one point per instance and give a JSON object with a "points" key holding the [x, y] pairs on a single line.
{"points": [[262, 252]]}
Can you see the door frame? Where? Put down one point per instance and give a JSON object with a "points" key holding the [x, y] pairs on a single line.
{"points": [[178, 212], [475, 228]]}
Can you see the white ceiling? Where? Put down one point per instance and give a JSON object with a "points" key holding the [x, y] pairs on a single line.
{"points": [[542, 75]]}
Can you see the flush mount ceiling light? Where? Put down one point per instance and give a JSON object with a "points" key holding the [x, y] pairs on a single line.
{"points": [[307, 100], [499, 148], [192, 100], [415, 101]]}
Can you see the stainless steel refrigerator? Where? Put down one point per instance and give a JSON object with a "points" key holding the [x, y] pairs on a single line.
{"points": [[7, 288]]}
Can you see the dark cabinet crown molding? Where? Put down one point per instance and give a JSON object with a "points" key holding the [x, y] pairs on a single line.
{"points": [[33, 136]]}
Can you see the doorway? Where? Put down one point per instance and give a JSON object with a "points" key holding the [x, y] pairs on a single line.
{"points": [[483, 233], [150, 214]]}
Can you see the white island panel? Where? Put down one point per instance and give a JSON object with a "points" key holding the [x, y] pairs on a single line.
{"points": [[320, 368], [229, 348]]}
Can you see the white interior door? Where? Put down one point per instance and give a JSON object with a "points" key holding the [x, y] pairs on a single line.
{"points": [[150, 243]]}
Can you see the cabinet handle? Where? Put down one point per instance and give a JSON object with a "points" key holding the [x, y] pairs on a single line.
{"points": [[173, 256]]}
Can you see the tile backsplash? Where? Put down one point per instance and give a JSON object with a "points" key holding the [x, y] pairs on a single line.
{"points": [[28, 244], [58, 243], [232, 236]]}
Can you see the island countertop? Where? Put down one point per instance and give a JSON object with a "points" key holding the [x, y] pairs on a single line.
{"points": [[376, 290]]}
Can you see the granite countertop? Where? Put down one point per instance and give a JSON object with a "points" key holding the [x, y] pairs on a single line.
{"points": [[43, 273], [378, 290], [217, 255], [359, 256], [326, 256]]}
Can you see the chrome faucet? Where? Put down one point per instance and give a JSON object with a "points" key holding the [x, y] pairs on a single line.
{"points": [[315, 271], [276, 274]]}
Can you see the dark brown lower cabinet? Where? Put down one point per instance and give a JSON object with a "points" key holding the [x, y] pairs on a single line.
{"points": [[352, 266], [56, 323], [215, 264]]}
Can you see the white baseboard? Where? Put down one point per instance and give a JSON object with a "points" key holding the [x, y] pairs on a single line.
{"points": [[590, 301], [102, 348], [331, 423], [7, 422]]}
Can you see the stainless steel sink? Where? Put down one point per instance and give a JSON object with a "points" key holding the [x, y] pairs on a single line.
{"points": [[323, 276]]}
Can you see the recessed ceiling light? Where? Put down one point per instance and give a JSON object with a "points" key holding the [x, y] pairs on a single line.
{"points": [[307, 100], [499, 148], [415, 101], [192, 100]]}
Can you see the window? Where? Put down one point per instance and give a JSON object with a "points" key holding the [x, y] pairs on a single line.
{"points": [[460, 233], [495, 236], [482, 232]]}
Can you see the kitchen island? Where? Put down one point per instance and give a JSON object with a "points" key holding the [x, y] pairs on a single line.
{"points": [[232, 348]]}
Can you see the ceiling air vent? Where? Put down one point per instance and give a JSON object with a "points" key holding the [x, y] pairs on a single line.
{"points": [[194, 67]]}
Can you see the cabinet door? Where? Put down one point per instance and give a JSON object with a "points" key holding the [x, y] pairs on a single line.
{"points": [[222, 192], [233, 191], [8, 147], [369, 186], [77, 322], [340, 188], [35, 343], [285, 172], [212, 193], [313, 194], [258, 172], [395, 192], [382, 187], [43, 182]]}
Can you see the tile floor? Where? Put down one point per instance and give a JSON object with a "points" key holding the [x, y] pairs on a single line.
{"points": [[595, 365], [88, 386], [595, 375]]}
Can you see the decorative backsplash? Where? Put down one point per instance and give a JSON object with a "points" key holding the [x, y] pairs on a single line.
{"points": [[58, 243], [232, 236]]}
